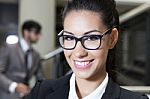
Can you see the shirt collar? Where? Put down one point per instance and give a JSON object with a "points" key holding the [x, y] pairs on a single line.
{"points": [[96, 94], [72, 91], [24, 45]]}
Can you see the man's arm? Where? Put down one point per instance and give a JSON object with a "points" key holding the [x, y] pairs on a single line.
{"points": [[4, 81]]}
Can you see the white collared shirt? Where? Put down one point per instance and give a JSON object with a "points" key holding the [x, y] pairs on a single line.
{"points": [[96, 94], [24, 45]]}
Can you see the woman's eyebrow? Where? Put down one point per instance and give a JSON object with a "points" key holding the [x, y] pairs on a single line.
{"points": [[88, 32], [66, 32]]}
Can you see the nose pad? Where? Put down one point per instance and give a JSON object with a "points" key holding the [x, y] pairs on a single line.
{"points": [[80, 51]]}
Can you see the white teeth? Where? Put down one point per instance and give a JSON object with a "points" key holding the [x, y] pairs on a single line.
{"points": [[82, 63]]}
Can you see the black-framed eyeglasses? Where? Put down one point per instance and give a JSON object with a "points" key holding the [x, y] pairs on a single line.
{"points": [[89, 42]]}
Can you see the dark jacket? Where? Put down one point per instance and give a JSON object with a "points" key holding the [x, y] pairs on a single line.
{"points": [[59, 89]]}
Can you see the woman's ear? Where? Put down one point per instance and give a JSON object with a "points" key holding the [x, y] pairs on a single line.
{"points": [[113, 38]]}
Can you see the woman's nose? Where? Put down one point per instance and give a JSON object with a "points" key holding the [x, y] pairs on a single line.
{"points": [[80, 51]]}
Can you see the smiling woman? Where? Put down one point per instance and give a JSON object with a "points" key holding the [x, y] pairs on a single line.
{"points": [[90, 31]]}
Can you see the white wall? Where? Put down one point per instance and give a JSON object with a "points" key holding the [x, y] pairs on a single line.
{"points": [[42, 11]]}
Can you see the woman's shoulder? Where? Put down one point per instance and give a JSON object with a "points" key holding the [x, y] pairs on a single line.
{"points": [[117, 92], [127, 94], [56, 82], [45, 87]]}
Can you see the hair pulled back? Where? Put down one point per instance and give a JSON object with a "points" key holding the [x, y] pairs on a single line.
{"points": [[105, 8]]}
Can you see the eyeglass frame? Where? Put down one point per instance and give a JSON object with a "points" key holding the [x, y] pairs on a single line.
{"points": [[108, 31]]}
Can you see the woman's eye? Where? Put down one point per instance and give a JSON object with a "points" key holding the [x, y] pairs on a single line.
{"points": [[92, 38], [68, 38]]}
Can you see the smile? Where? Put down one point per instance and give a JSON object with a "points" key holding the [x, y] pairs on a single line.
{"points": [[83, 64]]}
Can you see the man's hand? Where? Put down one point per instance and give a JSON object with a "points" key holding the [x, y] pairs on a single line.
{"points": [[22, 89]]}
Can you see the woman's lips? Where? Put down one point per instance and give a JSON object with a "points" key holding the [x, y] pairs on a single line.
{"points": [[83, 64]]}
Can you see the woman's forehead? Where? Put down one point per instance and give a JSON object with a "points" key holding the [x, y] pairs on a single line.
{"points": [[83, 21]]}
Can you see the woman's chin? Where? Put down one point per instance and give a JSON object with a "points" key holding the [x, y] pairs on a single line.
{"points": [[83, 74]]}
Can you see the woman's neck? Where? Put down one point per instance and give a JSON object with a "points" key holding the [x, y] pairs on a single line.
{"points": [[86, 86]]}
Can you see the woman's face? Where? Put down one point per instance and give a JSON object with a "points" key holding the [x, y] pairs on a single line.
{"points": [[87, 64]]}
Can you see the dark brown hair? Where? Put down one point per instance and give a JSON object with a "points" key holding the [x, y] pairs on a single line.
{"points": [[30, 25]]}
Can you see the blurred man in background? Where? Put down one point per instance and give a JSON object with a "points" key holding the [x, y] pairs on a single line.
{"points": [[19, 62]]}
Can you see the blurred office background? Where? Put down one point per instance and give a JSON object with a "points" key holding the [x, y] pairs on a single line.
{"points": [[133, 58]]}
